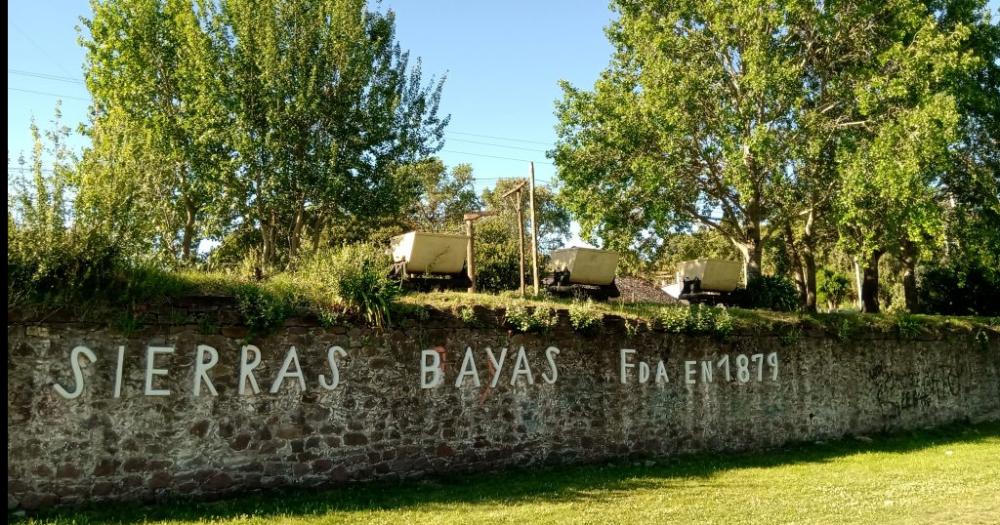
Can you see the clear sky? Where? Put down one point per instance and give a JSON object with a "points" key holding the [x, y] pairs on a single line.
{"points": [[503, 61]]}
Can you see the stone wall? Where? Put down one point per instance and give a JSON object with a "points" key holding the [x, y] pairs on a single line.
{"points": [[387, 418]]}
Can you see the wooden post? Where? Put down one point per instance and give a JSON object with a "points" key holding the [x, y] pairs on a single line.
{"points": [[534, 229], [520, 237], [470, 256], [516, 192]]}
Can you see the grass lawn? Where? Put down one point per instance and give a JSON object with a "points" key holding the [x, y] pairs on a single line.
{"points": [[949, 475]]}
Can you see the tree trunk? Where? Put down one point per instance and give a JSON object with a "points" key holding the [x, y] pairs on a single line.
{"points": [[797, 270], [809, 262], [188, 236], [296, 233], [751, 249], [869, 284], [909, 257], [858, 281], [809, 270], [317, 231]]}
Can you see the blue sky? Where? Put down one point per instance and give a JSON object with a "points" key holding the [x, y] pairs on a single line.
{"points": [[503, 61]]}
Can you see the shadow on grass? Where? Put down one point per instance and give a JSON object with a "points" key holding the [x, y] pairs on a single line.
{"points": [[526, 485]]}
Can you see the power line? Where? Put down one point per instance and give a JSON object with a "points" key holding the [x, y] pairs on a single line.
{"points": [[495, 157], [40, 48], [45, 76], [497, 145], [500, 138], [48, 94]]}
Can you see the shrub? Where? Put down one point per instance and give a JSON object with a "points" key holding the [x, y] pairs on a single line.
{"points": [[832, 288], [960, 289], [769, 292], [62, 268], [696, 319], [357, 276], [467, 315], [497, 263], [529, 319], [263, 310], [583, 317]]}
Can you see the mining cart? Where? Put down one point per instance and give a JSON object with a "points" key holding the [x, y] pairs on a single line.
{"points": [[583, 272], [424, 261], [706, 281]]}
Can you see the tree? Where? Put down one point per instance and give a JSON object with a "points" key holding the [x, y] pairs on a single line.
{"points": [[890, 198], [445, 196], [689, 124], [326, 109], [553, 219], [260, 124], [152, 72]]}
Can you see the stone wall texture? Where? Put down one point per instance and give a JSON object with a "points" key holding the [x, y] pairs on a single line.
{"points": [[379, 423]]}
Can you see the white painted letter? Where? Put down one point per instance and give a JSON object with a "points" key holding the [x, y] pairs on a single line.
{"points": [[468, 369], [151, 353], [74, 361], [496, 365], [334, 371], [772, 359], [119, 371], [625, 365], [201, 368], [522, 358], [246, 368], [643, 372], [661, 372], [433, 368], [759, 358], [550, 356], [689, 371], [706, 371], [291, 357]]}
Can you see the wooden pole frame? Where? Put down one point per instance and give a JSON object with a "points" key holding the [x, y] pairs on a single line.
{"points": [[516, 192]]}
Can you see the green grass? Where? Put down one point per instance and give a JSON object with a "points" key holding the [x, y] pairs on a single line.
{"points": [[844, 325], [949, 475], [266, 304]]}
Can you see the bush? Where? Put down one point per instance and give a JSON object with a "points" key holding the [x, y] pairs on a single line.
{"points": [[61, 267], [583, 317], [695, 319], [530, 319], [960, 289], [832, 288], [263, 310], [497, 264], [357, 276], [769, 292]]}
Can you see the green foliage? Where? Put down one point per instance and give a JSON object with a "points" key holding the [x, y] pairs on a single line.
{"points": [[497, 265], [583, 316], [263, 309], [770, 292], [467, 315], [526, 318], [908, 326], [832, 288], [355, 275], [553, 219], [695, 319], [960, 288], [847, 326], [274, 122], [445, 196]]}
